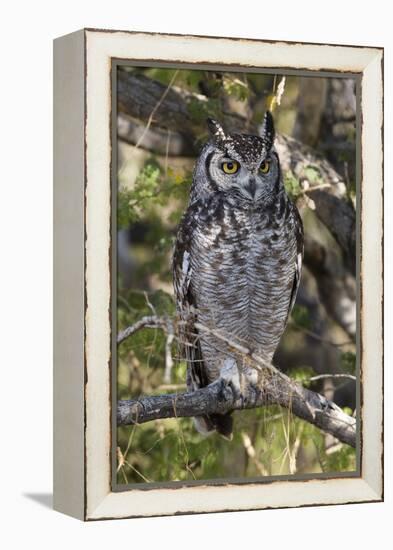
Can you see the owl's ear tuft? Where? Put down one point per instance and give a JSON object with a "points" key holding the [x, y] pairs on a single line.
{"points": [[267, 132], [216, 130]]}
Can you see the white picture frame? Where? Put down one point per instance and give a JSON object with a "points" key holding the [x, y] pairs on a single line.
{"points": [[83, 421]]}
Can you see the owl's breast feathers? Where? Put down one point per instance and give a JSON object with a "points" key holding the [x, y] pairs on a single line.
{"points": [[236, 269]]}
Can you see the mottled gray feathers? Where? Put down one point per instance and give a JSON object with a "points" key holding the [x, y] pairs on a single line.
{"points": [[237, 260]]}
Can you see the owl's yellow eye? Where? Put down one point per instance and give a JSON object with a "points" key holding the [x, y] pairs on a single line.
{"points": [[264, 167], [230, 167]]}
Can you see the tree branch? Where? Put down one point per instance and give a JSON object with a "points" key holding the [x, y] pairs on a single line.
{"points": [[217, 398], [149, 321]]}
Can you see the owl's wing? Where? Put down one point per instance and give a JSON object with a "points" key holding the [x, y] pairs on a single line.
{"points": [[186, 307], [299, 257]]}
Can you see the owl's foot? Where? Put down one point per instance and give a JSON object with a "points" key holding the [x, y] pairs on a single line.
{"points": [[229, 375], [251, 393], [326, 404]]}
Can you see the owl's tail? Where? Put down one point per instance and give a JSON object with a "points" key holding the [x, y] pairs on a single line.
{"points": [[221, 423]]}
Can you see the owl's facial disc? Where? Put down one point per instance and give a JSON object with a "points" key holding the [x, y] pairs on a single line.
{"points": [[259, 181], [253, 180]]}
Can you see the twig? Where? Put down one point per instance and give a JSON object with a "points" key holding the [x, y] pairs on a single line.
{"points": [[149, 321], [120, 459], [159, 102], [318, 337], [168, 353], [137, 471], [336, 446], [171, 387], [316, 187], [149, 304], [338, 375], [294, 451], [276, 98], [251, 453]]}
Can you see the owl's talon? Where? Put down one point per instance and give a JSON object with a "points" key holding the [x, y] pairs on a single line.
{"points": [[326, 404], [230, 377], [237, 394]]}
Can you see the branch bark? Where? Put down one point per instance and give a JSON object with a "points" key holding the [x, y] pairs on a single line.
{"points": [[218, 398], [274, 388]]}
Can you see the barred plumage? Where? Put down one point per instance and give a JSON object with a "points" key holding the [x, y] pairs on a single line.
{"points": [[237, 258]]}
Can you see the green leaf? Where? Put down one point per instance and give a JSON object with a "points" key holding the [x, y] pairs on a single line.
{"points": [[312, 174], [292, 184], [302, 375]]}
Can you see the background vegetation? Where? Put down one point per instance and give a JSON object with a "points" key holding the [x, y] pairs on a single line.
{"points": [[161, 126]]}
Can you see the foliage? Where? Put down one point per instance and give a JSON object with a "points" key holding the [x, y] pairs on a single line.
{"points": [[292, 185], [237, 88], [152, 188], [312, 174]]}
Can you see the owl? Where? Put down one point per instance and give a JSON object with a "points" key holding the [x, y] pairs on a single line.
{"points": [[237, 261]]}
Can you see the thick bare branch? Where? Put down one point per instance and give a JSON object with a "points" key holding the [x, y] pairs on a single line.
{"points": [[274, 388], [139, 96], [218, 398]]}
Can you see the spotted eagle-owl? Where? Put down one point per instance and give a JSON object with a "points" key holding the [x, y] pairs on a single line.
{"points": [[237, 260]]}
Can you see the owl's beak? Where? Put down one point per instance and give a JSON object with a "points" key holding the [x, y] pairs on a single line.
{"points": [[251, 187]]}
